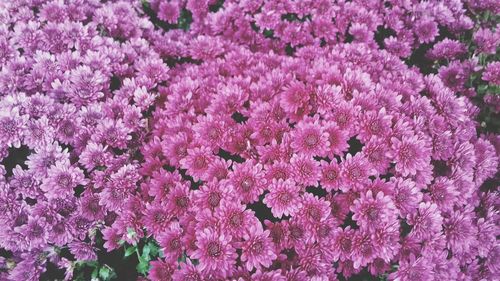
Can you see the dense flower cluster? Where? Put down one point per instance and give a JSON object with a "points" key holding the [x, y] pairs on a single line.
{"points": [[253, 140]]}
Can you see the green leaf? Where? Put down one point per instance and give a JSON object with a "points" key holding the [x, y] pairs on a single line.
{"points": [[105, 273], [143, 267], [95, 273], [129, 251]]}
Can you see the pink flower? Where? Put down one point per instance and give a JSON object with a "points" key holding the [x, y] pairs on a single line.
{"points": [[355, 172], [179, 199], [283, 198], [330, 175], [170, 242], [197, 161], [248, 180], [295, 96], [257, 248], [426, 30], [427, 222], [406, 196], [343, 243], [411, 154], [414, 269], [313, 210], [310, 139], [62, 179], [235, 218], [209, 196], [373, 211], [161, 270], [305, 169], [215, 252]]}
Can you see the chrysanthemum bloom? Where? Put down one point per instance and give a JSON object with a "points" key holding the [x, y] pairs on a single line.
{"points": [[156, 218], [210, 195], [94, 155], [337, 138], [278, 171], [62, 179], [427, 222], [188, 272], [375, 151], [330, 175], [460, 231], [235, 218], [376, 124], [170, 241], [175, 148], [83, 251], [355, 171], [373, 211], [196, 162], [364, 250], [426, 30], [162, 182], [343, 243], [161, 270], [215, 252], [257, 248], [305, 169], [297, 233], [310, 139], [414, 269], [406, 196], [90, 207], [248, 180], [11, 127], [443, 193], [283, 198], [411, 154], [294, 97], [179, 199], [312, 210]]}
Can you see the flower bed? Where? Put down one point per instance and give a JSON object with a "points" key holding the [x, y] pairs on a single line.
{"points": [[249, 140]]}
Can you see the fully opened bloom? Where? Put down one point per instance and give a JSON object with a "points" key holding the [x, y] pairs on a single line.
{"points": [[257, 249], [253, 140], [410, 154], [283, 198], [373, 211], [310, 139], [215, 252]]}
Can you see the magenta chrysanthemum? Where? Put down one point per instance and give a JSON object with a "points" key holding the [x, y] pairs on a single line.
{"points": [[249, 140], [283, 198], [215, 252]]}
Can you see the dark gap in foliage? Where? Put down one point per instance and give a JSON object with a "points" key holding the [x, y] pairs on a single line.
{"points": [[228, 156], [290, 51], [363, 275], [194, 184], [172, 61], [348, 38], [262, 212], [355, 146], [419, 59], [405, 228], [348, 221], [239, 118], [115, 83], [17, 156], [316, 191], [383, 33], [491, 184], [216, 6], [52, 273], [441, 168]]}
